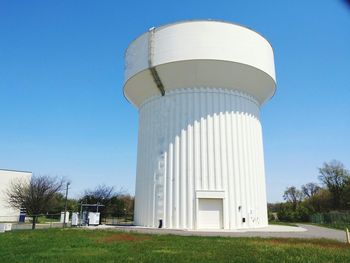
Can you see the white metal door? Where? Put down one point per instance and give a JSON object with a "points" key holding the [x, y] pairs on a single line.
{"points": [[209, 213]]}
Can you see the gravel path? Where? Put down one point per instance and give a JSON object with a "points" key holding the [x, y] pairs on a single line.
{"points": [[303, 231]]}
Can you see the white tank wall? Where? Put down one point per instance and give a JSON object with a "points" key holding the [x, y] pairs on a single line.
{"points": [[8, 213], [200, 53], [198, 139]]}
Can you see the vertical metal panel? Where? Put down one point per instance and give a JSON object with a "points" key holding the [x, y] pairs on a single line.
{"points": [[203, 143], [183, 159], [190, 161], [209, 139], [210, 148], [235, 195]]}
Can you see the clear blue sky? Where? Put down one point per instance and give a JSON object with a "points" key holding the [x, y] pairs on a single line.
{"points": [[62, 110]]}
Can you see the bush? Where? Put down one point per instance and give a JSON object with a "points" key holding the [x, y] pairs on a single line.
{"points": [[288, 213]]}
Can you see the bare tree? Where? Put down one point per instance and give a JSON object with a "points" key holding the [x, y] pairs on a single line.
{"points": [[99, 194], [35, 196], [116, 202], [293, 195], [335, 177], [102, 194], [310, 189]]}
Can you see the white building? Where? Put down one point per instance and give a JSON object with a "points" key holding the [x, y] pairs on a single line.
{"points": [[198, 87], [7, 213]]}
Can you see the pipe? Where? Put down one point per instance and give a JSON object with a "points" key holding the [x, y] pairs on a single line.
{"points": [[152, 68]]}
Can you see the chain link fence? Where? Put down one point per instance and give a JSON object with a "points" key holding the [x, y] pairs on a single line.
{"points": [[118, 221], [42, 221], [338, 220]]}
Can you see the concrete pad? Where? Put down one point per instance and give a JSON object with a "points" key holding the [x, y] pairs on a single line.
{"points": [[277, 228], [272, 231], [270, 228]]}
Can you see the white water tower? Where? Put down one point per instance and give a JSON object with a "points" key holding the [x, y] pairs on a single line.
{"points": [[198, 87]]}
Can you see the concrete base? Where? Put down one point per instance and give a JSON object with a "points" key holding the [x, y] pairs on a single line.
{"points": [[272, 231], [269, 228]]}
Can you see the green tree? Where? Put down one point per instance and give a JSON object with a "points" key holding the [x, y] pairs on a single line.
{"points": [[293, 195], [335, 177], [310, 189], [58, 203]]}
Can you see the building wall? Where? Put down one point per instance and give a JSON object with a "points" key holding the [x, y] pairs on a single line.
{"points": [[200, 142], [6, 177]]}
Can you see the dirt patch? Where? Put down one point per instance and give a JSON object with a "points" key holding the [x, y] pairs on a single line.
{"points": [[121, 238]]}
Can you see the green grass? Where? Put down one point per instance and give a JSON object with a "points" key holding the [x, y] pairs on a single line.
{"points": [[78, 245], [44, 220]]}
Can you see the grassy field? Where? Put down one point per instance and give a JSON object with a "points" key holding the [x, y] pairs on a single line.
{"points": [[77, 245]]}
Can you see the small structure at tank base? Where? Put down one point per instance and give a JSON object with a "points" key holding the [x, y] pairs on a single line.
{"points": [[5, 227], [75, 219], [89, 214], [198, 87], [64, 218]]}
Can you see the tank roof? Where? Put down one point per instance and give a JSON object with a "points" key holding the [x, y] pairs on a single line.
{"points": [[190, 53], [18, 171], [200, 20]]}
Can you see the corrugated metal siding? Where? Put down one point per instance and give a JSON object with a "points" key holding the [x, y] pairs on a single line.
{"points": [[200, 139]]}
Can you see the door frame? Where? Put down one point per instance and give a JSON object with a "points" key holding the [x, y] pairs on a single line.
{"points": [[208, 194]]}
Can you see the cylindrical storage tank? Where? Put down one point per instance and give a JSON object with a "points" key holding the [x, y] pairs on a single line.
{"points": [[198, 86]]}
